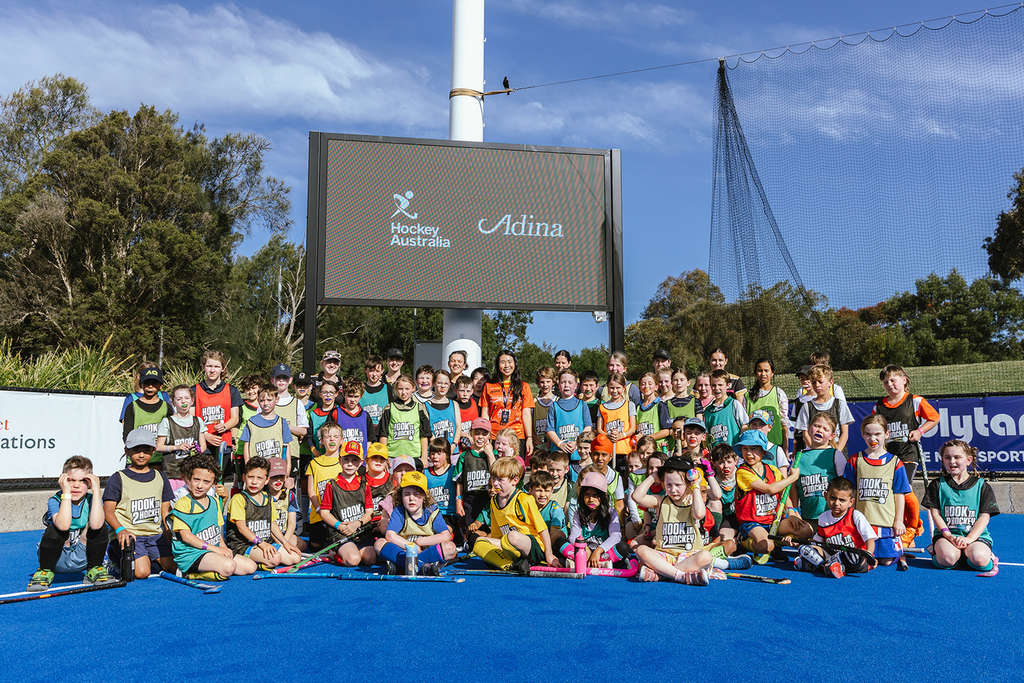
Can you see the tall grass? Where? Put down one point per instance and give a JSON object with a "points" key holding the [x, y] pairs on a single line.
{"points": [[84, 369], [77, 369]]}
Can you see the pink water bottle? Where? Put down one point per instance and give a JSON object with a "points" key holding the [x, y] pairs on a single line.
{"points": [[580, 557]]}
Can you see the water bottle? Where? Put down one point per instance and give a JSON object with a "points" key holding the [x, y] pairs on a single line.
{"points": [[580, 557], [412, 552]]}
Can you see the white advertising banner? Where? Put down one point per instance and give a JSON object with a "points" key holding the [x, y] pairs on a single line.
{"points": [[40, 430]]}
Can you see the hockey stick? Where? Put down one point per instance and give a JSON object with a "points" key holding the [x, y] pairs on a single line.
{"points": [[361, 577], [206, 588], [833, 547], [626, 573], [784, 497], [756, 578], [73, 589], [316, 558]]}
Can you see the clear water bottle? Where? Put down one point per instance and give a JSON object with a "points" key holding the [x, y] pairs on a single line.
{"points": [[412, 553]]}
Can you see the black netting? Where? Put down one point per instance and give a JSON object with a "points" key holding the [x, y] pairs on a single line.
{"points": [[850, 171]]}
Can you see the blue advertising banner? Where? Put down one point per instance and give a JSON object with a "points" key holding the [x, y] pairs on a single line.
{"points": [[992, 424]]}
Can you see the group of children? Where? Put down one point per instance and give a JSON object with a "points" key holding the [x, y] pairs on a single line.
{"points": [[408, 472]]}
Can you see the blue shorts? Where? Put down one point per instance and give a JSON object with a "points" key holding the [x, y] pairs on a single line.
{"points": [[746, 527], [277, 546], [154, 547], [887, 545]]}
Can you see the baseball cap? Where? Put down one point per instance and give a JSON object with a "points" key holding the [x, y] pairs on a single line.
{"points": [[277, 467], [331, 355], [395, 353], [695, 422], [594, 480], [377, 450], [480, 423], [402, 460], [662, 354], [763, 416], [281, 370], [354, 448], [804, 371], [751, 437], [414, 478], [151, 375], [140, 436], [303, 378], [601, 444]]}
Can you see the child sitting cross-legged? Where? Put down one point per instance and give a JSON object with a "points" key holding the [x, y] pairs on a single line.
{"points": [[518, 537], [417, 521], [595, 522], [196, 520]]}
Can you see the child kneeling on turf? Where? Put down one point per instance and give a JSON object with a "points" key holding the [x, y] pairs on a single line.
{"points": [[252, 531], [961, 505], [197, 544], [595, 522], [75, 537], [518, 537], [678, 553], [346, 505], [416, 521], [840, 525], [758, 489]]}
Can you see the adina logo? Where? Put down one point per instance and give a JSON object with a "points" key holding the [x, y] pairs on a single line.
{"points": [[524, 226], [413, 235]]}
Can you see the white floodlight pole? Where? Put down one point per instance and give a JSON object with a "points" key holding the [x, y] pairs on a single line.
{"points": [[465, 122]]}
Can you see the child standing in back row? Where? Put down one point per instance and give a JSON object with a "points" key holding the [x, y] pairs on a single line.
{"points": [[616, 418], [724, 417], [909, 417]]}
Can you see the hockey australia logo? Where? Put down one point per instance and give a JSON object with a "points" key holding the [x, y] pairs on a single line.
{"points": [[413, 234]]}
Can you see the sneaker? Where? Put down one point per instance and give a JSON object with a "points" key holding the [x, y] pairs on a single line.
{"points": [[206, 576], [41, 580], [430, 569], [647, 574], [762, 558], [697, 578], [740, 562], [390, 568], [98, 575], [833, 567]]}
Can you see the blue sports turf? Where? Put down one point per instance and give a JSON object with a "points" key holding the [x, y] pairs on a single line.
{"points": [[925, 625]]}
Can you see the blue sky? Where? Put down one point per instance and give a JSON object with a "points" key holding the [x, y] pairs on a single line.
{"points": [[383, 67]]}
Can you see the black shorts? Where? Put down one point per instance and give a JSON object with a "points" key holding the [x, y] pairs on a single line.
{"points": [[317, 535]]}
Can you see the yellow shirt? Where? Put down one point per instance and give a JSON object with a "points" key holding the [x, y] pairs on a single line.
{"points": [[323, 470], [521, 514]]}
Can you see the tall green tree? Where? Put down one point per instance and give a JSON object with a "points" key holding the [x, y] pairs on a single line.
{"points": [[126, 225], [1006, 247]]}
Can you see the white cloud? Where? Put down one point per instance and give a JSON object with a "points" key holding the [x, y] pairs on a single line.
{"points": [[209, 62], [664, 116], [603, 15]]}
